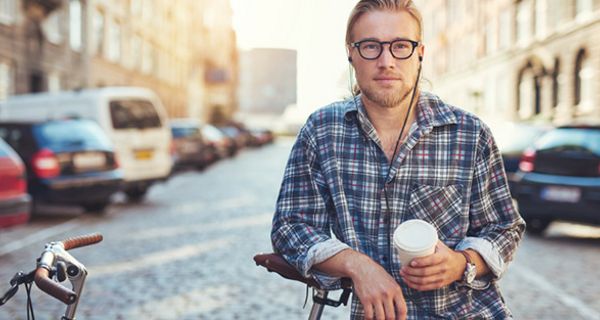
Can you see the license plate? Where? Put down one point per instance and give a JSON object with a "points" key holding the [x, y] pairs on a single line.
{"points": [[89, 160], [561, 194], [143, 154]]}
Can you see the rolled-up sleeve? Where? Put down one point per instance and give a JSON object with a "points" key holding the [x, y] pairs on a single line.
{"points": [[495, 226], [301, 232]]}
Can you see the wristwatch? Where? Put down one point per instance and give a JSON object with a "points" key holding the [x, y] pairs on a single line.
{"points": [[470, 270]]}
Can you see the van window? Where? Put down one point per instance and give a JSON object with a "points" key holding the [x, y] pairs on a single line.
{"points": [[128, 114]]}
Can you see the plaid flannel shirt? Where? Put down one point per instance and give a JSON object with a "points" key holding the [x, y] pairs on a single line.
{"points": [[448, 172]]}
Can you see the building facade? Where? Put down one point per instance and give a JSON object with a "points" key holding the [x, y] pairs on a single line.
{"points": [[534, 60], [51, 45]]}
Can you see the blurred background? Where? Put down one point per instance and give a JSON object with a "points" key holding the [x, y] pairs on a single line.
{"points": [[166, 125]]}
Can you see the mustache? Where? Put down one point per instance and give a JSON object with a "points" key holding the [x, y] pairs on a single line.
{"points": [[388, 76]]}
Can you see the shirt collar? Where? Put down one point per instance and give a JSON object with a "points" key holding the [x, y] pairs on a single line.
{"points": [[432, 111]]}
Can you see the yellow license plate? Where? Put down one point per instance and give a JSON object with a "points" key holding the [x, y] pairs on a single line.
{"points": [[143, 154]]}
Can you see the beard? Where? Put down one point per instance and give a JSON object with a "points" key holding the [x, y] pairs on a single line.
{"points": [[385, 99]]}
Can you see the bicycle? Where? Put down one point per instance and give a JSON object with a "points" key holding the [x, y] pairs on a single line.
{"points": [[55, 262], [274, 262]]}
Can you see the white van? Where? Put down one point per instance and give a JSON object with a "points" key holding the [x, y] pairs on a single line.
{"points": [[133, 118]]}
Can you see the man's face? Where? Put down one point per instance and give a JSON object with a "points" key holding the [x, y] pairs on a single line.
{"points": [[386, 81]]}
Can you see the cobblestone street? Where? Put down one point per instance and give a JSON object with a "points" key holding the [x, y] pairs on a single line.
{"points": [[186, 253]]}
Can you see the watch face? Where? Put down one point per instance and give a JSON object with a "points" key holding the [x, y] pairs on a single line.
{"points": [[470, 273]]}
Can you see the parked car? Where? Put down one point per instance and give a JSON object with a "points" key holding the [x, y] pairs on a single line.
{"points": [[133, 118], [191, 149], [69, 162], [224, 145], [15, 203], [239, 138], [513, 138], [261, 136], [559, 179]]}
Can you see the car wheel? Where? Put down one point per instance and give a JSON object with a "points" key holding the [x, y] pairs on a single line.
{"points": [[136, 194], [537, 226], [96, 207]]}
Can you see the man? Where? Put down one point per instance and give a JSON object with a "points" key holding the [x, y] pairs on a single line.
{"points": [[361, 167]]}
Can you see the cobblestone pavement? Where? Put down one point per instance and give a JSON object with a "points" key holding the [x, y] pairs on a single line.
{"points": [[186, 253]]}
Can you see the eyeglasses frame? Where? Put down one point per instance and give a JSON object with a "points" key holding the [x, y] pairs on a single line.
{"points": [[357, 44]]}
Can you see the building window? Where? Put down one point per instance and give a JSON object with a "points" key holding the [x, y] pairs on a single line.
{"points": [[504, 29], [556, 83], [584, 76], [54, 84], [98, 32], [541, 15], [524, 22], [52, 27], [75, 25], [147, 62], [529, 103], [490, 38], [136, 8], [114, 41], [136, 52], [8, 11], [6, 83], [584, 9]]}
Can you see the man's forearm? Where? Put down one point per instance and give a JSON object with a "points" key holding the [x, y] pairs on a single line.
{"points": [[341, 264]]}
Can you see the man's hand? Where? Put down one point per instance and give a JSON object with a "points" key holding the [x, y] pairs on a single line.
{"points": [[378, 292], [436, 270]]}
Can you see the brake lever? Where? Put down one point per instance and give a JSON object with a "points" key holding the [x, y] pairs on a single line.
{"points": [[18, 279]]}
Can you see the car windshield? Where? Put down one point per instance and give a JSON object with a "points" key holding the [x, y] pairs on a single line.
{"points": [[179, 132], [571, 139], [130, 114], [69, 133], [212, 133], [4, 149]]}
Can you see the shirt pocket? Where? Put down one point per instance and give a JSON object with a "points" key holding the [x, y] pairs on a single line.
{"points": [[442, 206]]}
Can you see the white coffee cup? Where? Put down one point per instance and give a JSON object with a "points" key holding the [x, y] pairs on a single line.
{"points": [[413, 239]]}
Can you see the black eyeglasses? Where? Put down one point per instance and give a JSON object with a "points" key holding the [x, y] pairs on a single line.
{"points": [[372, 49]]}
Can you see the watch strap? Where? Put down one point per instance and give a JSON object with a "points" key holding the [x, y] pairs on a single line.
{"points": [[467, 256]]}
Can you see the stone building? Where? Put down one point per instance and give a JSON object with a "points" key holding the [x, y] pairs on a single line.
{"points": [[51, 45], [533, 60]]}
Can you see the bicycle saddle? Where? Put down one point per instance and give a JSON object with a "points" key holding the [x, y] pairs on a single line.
{"points": [[274, 262]]}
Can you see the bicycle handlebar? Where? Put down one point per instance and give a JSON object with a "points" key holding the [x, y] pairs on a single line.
{"points": [[43, 281], [80, 241], [42, 273]]}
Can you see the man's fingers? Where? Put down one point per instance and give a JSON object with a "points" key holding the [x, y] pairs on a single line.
{"points": [[379, 311], [427, 261], [368, 308], [400, 305], [422, 272], [390, 312]]}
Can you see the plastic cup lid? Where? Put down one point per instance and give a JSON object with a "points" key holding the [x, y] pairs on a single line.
{"points": [[415, 235]]}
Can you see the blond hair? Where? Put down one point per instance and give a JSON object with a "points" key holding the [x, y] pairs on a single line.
{"points": [[364, 6]]}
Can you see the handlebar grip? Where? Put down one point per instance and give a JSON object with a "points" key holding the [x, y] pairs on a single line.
{"points": [[80, 241], [43, 281]]}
